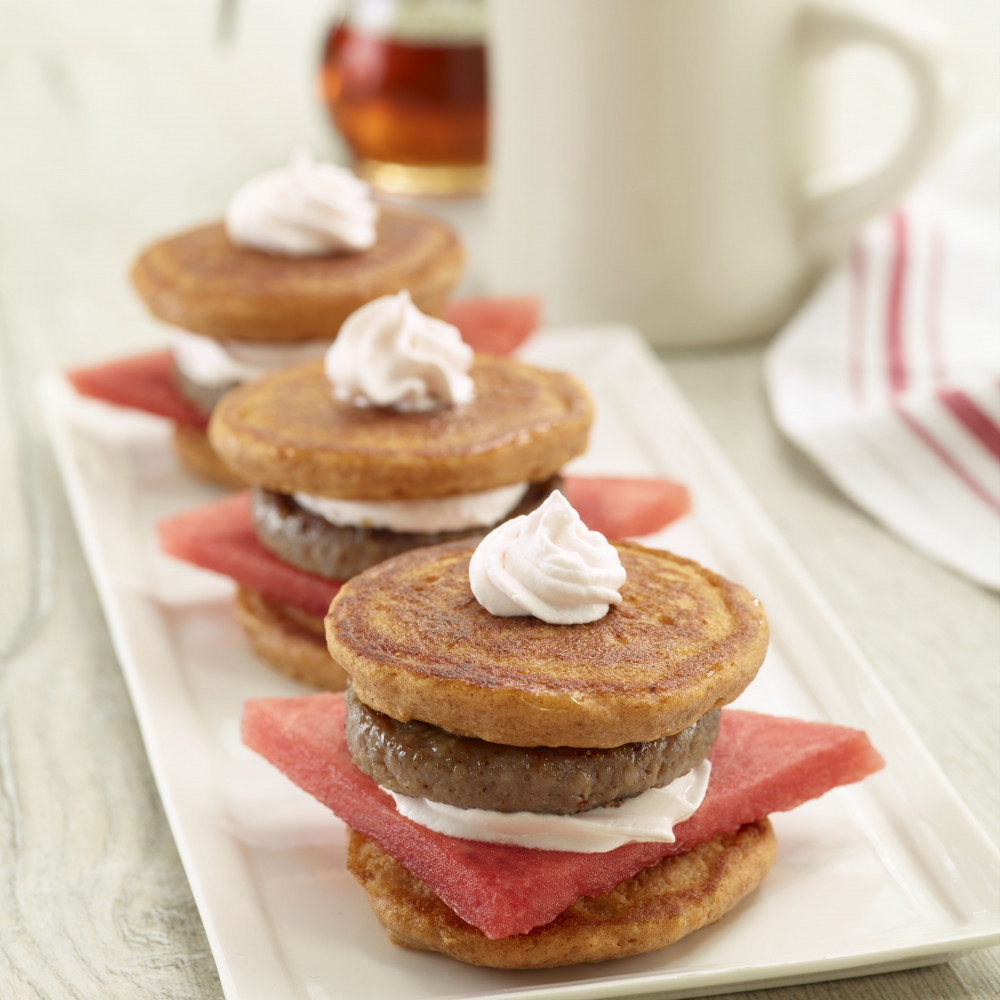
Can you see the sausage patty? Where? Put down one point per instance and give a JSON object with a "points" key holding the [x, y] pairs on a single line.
{"points": [[415, 758], [314, 544]]}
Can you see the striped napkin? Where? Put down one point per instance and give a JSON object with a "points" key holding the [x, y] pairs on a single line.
{"points": [[889, 377]]}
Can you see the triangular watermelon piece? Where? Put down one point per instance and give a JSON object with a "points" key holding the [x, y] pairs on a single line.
{"points": [[760, 764], [220, 536], [620, 507], [142, 382], [146, 381], [493, 325]]}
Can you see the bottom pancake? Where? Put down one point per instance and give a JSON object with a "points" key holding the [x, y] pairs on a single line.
{"points": [[288, 639], [655, 908], [196, 456]]}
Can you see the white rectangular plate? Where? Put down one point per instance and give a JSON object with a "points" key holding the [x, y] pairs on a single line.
{"points": [[863, 882]]}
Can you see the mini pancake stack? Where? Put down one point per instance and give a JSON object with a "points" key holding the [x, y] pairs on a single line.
{"points": [[288, 435], [450, 703], [203, 282]]}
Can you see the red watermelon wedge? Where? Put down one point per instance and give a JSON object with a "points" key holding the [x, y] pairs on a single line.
{"points": [[618, 507], [143, 382], [146, 381], [492, 325], [220, 536], [760, 764]]}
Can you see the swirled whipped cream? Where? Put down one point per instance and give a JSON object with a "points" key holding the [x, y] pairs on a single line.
{"points": [[547, 564], [306, 209], [454, 513], [210, 362], [389, 353], [650, 816]]}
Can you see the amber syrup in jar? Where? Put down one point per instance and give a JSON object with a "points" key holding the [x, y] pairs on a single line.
{"points": [[405, 85]]}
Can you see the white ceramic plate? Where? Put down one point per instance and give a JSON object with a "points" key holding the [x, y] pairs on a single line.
{"points": [[863, 882]]}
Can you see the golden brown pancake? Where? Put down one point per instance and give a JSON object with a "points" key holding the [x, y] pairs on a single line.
{"points": [[286, 432], [199, 280], [418, 645], [655, 908], [289, 639], [196, 456]]}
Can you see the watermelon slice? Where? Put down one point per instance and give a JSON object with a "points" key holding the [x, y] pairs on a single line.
{"points": [[143, 382], [495, 325], [626, 508], [146, 381], [760, 764], [220, 536]]}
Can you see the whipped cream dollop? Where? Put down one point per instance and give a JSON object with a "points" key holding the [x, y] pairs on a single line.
{"points": [[547, 564], [389, 353], [650, 816], [306, 209], [211, 363], [454, 513]]}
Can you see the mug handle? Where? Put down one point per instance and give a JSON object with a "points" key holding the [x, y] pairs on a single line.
{"points": [[833, 205]]}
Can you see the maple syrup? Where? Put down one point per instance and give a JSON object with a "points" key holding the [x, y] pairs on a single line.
{"points": [[411, 107]]}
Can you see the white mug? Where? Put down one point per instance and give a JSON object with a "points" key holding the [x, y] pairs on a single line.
{"points": [[660, 161]]}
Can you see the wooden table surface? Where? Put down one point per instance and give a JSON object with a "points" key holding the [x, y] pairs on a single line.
{"points": [[119, 123]]}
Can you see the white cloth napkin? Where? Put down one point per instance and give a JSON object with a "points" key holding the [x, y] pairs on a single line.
{"points": [[889, 377]]}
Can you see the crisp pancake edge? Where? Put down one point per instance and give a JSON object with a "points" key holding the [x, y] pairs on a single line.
{"points": [[521, 709], [655, 908]]}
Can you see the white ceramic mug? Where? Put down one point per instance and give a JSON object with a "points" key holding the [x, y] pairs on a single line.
{"points": [[660, 161]]}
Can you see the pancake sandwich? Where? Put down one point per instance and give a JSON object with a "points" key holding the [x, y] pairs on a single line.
{"points": [[299, 250], [532, 756], [401, 438]]}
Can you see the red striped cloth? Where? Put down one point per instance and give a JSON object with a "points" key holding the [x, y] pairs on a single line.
{"points": [[889, 378]]}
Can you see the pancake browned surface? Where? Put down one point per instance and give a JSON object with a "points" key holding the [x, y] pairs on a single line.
{"points": [[196, 456], [418, 645], [288, 639], [201, 281], [286, 432], [655, 908]]}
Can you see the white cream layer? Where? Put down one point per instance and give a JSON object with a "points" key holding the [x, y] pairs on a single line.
{"points": [[650, 816], [212, 363], [454, 513]]}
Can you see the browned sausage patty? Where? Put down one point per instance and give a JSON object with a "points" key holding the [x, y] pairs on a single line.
{"points": [[308, 541], [414, 758]]}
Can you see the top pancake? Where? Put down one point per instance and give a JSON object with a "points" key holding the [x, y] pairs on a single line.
{"points": [[418, 645], [288, 433], [201, 281]]}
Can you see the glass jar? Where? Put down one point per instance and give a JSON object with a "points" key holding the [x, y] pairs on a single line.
{"points": [[404, 82]]}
